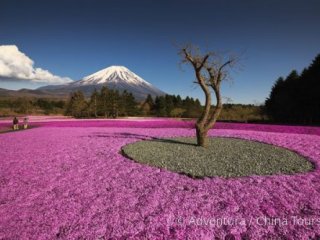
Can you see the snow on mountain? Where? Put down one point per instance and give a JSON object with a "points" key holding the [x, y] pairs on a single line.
{"points": [[114, 77], [113, 74]]}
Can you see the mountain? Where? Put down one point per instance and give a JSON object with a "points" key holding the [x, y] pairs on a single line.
{"points": [[114, 77], [6, 93]]}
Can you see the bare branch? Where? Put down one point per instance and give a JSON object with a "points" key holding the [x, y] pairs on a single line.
{"points": [[210, 70], [224, 65], [204, 60]]}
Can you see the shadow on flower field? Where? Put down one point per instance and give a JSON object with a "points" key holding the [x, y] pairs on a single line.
{"points": [[140, 137]]}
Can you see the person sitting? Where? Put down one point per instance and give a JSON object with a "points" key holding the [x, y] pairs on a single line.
{"points": [[25, 123], [15, 123]]}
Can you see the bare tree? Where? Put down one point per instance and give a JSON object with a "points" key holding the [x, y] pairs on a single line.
{"points": [[210, 70]]}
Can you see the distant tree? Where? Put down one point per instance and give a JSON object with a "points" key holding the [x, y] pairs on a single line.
{"points": [[59, 104], [22, 105], [129, 104], [77, 105], [145, 109], [187, 102], [210, 70], [93, 104], [160, 106], [192, 107], [147, 106], [169, 104], [44, 104], [177, 101], [103, 101], [113, 103], [149, 100], [177, 112]]}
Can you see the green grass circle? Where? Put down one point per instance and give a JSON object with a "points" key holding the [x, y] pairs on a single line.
{"points": [[224, 157]]}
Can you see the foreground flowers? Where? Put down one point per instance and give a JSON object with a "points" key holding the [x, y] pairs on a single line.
{"points": [[71, 182]]}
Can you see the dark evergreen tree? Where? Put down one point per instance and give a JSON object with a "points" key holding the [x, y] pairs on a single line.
{"points": [[150, 102], [113, 103], [177, 101], [103, 101], [129, 105], [169, 105], [160, 106], [93, 104], [147, 107], [297, 98]]}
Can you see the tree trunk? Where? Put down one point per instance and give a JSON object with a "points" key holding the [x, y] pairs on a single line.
{"points": [[202, 138]]}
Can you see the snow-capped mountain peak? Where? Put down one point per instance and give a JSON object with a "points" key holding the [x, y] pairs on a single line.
{"points": [[115, 77], [113, 74]]}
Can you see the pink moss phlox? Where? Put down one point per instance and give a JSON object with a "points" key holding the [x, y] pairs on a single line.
{"points": [[72, 183]]}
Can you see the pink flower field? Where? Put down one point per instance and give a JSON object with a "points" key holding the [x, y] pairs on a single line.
{"points": [[67, 180]]}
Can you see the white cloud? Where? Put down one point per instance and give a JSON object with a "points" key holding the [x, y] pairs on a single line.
{"points": [[17, 66]]}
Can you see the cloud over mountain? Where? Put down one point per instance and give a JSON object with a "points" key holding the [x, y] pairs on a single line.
{"points": [[16, 66]]}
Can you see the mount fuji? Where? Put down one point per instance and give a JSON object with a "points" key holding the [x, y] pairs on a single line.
{"points": [[114, 77]]}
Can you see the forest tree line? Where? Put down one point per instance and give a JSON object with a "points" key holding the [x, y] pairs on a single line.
{"points": [[296, 99], [112, 104], [29, 106], [105, 103], [108, 103]]}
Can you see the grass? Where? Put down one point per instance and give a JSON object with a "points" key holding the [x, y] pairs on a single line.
{"points": [[224, 157]]}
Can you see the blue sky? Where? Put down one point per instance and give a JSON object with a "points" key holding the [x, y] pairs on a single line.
{"points": [[75, 38]]}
